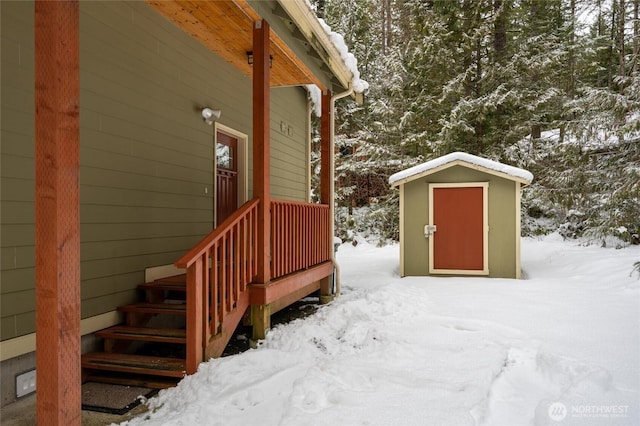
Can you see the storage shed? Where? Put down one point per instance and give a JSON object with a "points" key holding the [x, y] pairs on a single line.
{"points": [[460, 215]]}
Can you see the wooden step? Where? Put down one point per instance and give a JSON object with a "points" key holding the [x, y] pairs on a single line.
{"points": [[136, 364], [155, 308], [147, 334], [181, 278], [128, 379], [177, 284]]}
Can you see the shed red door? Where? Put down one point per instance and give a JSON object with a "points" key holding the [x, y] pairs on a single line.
{"points": [[458, 245], [226, 176]]}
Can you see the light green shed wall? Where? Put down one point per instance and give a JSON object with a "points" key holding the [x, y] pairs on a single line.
{"points": [[146, 174], [502, 220]]}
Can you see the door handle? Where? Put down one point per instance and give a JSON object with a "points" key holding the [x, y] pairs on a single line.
{"points": [[429, 230]]}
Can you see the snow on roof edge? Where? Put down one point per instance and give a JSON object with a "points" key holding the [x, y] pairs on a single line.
{"points": [[467, 158], [349, 59]]}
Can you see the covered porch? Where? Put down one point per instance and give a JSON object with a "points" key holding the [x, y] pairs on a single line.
{"points": [[266, 255]]}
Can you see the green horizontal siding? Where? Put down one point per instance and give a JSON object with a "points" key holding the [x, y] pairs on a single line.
{"points": [[16, 170], [289, 168], [146, 174]]}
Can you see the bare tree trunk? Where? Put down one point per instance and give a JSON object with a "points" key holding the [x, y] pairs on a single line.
{"points": [[536, 130], [478, 66], [383, 26], [572, 56], [479, 127], [612, 43], [623, 72], [621, 22], [600, 33], [500, 30], [389, 32], [386, 24], [636, 37]]}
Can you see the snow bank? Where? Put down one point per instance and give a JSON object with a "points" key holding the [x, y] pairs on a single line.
{"points": [[559, 347], [462, 156]]}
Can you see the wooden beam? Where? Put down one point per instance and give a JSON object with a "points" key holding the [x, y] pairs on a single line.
{"points": [[261, 146], [261, 320], [263, 294], [294, 297], [325, 142], [57, 235]]}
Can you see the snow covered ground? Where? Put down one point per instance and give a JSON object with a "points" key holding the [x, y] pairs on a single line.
{"points": [[560, 347]]}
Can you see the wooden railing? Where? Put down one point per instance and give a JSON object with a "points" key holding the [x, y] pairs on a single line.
{"points": [[222, 265], [219, 268], [299, 236]]}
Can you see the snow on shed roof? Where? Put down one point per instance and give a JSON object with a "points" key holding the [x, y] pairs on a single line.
{"points": [[490, 165]]}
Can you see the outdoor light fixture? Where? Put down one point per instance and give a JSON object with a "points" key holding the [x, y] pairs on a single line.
{"points": [[209, 115], [250, 59]]}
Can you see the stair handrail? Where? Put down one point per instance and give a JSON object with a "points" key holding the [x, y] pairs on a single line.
{"points": [[208, 300], [207, 242]]}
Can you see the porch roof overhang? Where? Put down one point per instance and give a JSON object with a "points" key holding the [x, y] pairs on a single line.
{"points": [[301, 49]]}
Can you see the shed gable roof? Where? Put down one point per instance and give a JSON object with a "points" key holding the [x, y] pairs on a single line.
{"points": [[463, 159]]}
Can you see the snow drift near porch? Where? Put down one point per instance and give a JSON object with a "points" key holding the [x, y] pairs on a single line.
{"points": [[561, 346]]}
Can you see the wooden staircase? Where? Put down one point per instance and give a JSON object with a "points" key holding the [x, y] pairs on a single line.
{"points": [[125, 359], [144, 351], [213, 296]]}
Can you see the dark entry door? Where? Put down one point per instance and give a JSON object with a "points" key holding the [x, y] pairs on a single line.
{"points": [[459, 241], [226, 176]]}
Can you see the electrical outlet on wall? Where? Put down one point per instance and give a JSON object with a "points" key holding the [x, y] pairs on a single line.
{"points": [[25, 383]]}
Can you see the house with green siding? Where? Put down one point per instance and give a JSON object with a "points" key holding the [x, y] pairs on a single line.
{"points": [[193, 179]]}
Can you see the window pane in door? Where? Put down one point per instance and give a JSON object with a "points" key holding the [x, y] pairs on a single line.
{"points": [[224, 156]]}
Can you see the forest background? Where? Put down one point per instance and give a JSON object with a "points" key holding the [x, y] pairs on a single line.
{"points": [[551, 86]]}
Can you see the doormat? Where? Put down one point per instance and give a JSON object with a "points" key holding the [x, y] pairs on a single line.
{"points": [[113, 399]]}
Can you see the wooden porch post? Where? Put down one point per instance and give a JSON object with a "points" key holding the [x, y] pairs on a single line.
{"points": [[325, 141], [325, 177], [57, 235], [261, 316]]}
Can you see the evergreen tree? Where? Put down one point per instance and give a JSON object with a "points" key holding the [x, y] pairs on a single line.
{"points": [[531, 82]]}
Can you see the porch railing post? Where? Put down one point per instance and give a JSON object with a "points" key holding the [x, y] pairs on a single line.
{"points": [[195, 315]]}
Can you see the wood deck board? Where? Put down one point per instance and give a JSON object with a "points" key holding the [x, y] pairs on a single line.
{"points": [[181, 278], [139, 364], [164, 286], [151, 382], [155, 308], [148, 334]]}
